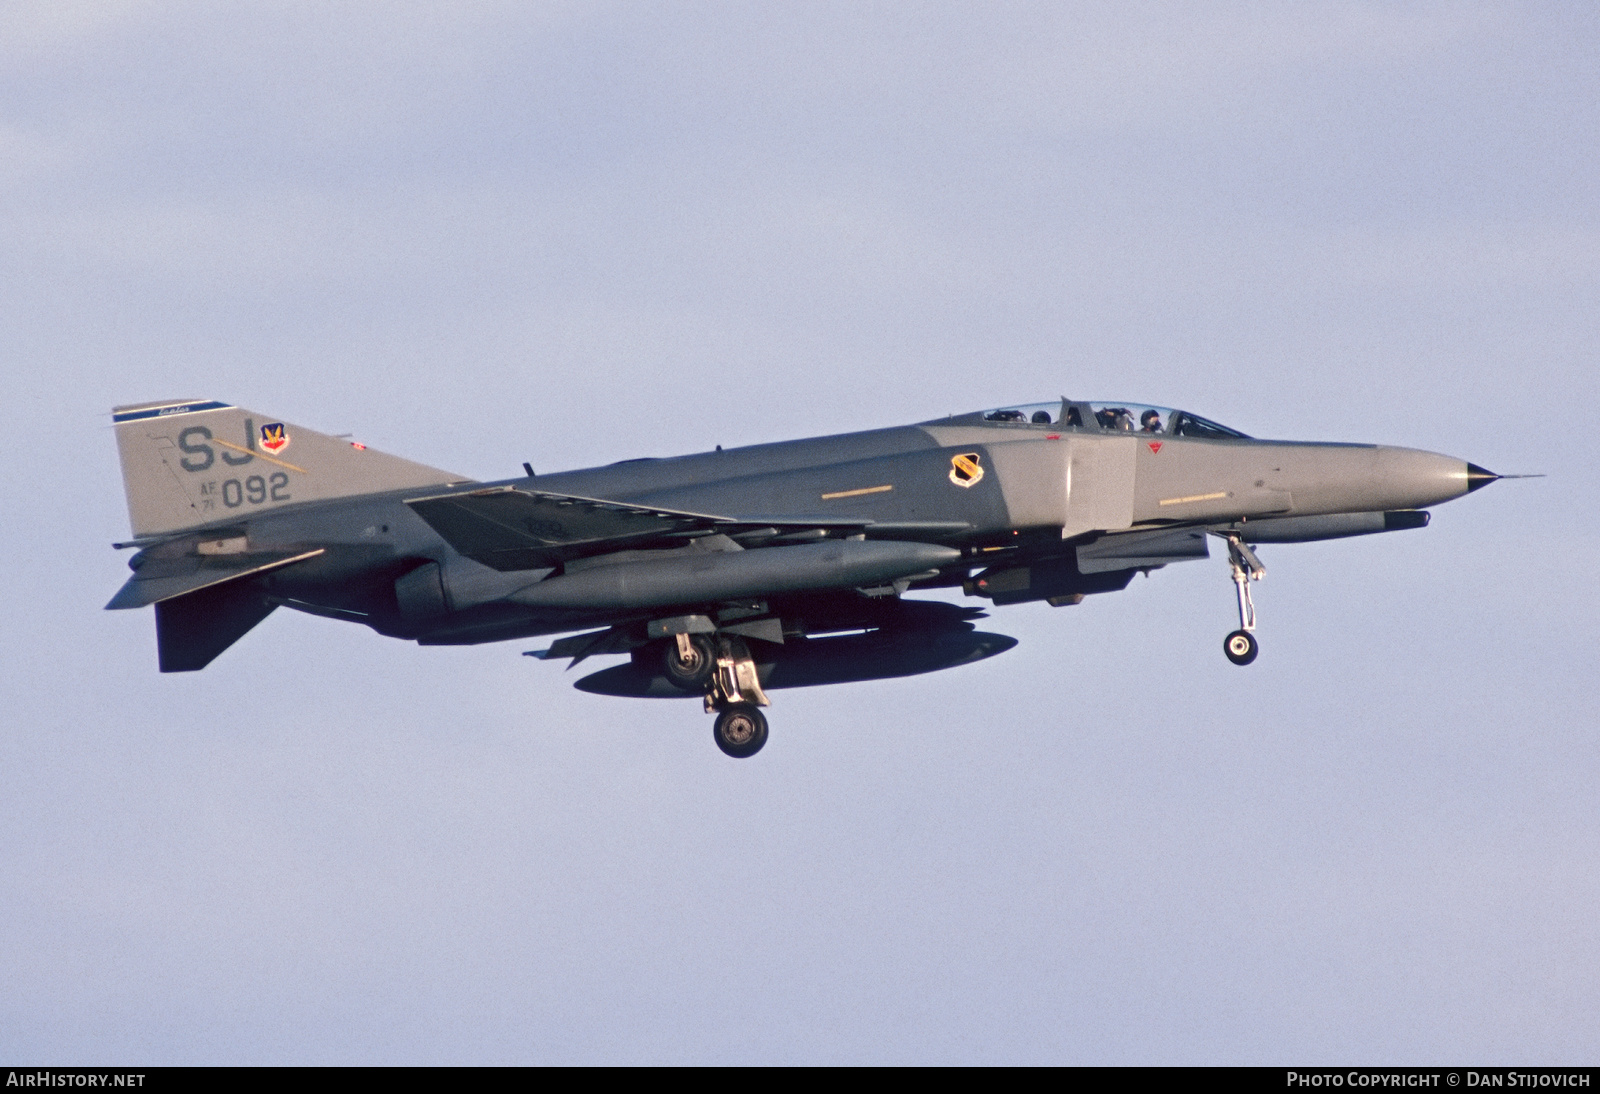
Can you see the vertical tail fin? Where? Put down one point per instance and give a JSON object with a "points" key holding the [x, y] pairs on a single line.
{"points": [[186, 464]]}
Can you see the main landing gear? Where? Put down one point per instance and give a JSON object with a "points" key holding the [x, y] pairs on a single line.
{"points": [[688, 660], [1241, 646], [733, 690], [740, 730], [720, 667]]}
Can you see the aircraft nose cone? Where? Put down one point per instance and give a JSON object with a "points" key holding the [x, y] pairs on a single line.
{"points": [[1413, 479], [1478, 477]]}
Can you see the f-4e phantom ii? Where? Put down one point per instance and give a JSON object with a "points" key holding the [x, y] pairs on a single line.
{"points": [[728, 574]]}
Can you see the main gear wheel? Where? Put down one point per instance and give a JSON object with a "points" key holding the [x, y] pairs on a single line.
{"points": [[740, 730]]}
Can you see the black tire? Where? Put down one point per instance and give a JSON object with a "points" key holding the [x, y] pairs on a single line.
{"points": [[690, 673], [740, 731], [1241, 647]]}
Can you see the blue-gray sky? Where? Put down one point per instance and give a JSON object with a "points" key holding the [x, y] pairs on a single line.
{"points": [[478, 234]]}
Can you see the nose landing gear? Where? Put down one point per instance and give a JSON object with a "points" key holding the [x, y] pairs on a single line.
{"points": [[1241, 646]]}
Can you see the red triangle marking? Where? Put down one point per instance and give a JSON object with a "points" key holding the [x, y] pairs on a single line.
{"points": [[1155, 446]]}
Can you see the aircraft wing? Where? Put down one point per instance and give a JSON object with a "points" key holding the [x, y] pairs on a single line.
{"points": [[512, 528]]}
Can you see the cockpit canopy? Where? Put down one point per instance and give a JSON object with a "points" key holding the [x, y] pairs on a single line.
{"points": [[1115, 417]]}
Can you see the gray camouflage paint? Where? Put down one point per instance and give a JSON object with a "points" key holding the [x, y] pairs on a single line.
{"points": [[322, 525]]}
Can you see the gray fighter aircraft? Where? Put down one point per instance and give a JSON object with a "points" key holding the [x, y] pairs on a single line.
{"points": [[728, 574]]}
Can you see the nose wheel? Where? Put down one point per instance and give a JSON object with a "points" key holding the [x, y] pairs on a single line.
{"points": [[1241, 646]]}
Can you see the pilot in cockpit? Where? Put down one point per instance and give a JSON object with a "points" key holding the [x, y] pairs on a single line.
{"points": [[1150, 421]]}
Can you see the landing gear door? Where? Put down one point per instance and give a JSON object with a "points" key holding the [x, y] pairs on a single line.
{"points": [[1100, 473]]}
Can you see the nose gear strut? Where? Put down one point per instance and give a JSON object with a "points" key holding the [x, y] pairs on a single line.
{"points": [[1241, 646]]}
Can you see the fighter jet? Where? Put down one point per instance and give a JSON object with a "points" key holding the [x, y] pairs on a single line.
{"points": [[725, 575]]}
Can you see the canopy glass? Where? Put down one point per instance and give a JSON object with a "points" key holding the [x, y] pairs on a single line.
{"points": [[1114, 416]]}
